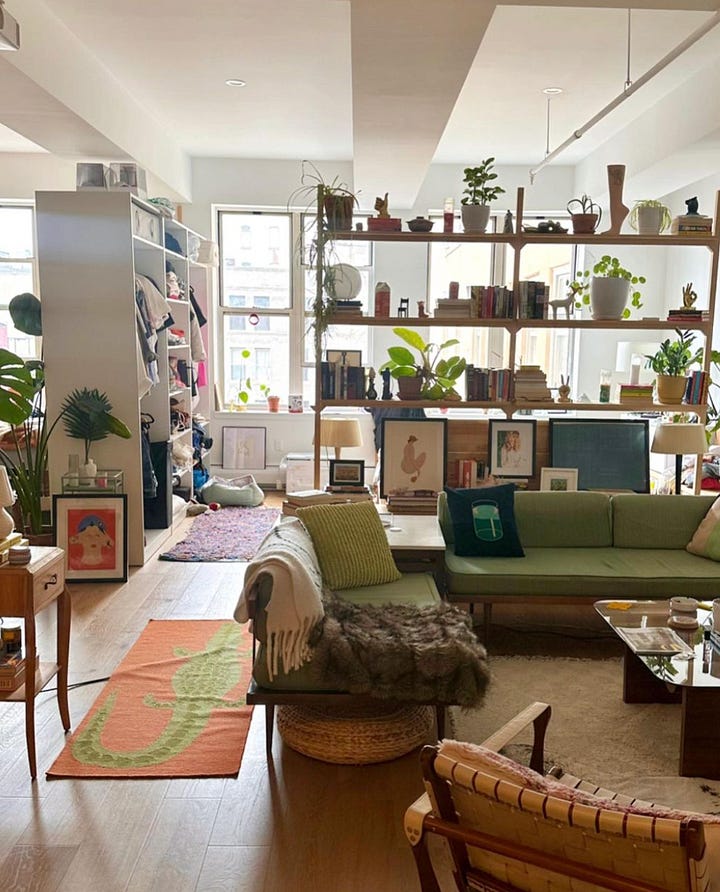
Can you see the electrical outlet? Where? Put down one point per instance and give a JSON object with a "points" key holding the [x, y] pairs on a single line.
{"points": [[278, 445]]}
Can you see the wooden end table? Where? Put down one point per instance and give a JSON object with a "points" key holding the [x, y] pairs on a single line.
{"points": [[417, 545], [24, 591]]}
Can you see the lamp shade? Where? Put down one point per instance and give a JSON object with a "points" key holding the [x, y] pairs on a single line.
{"points": [[339, 432], [679, 439], [7, 494]]}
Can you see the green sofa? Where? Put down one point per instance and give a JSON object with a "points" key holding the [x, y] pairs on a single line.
{"points": [[582, 546]]}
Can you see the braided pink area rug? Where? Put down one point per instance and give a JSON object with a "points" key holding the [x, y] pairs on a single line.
{"points": [[230, 534]]}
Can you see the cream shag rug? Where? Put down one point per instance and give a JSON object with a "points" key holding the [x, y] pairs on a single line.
{"points": [[630, 748]]}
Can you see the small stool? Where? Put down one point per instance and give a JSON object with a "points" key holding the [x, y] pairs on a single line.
{"points": [[357, 735]]}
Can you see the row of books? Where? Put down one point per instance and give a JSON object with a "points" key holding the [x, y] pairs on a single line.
{"points": [[696, 389], [533, 298], [470, 470], [482, 384], [342, 382]]}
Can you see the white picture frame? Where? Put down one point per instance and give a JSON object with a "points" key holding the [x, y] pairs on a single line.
{"points": [[243, 448], [559, 479]]}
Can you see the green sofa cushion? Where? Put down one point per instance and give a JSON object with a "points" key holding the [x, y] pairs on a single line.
{"points": [[641, 520], [552, 519], [585, 572], [412, 588]]}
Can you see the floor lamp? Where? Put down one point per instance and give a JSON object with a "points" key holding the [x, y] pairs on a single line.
{"points": [[679, 440]]}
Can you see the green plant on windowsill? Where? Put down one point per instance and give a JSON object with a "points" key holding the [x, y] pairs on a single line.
{"points": [[439, 375], [606, 267]]}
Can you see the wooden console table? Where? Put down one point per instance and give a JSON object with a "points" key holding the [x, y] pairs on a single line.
{"points": [[25, 591]]}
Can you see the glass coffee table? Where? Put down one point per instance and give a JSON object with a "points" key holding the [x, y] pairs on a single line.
{"points": [[690, 677]]}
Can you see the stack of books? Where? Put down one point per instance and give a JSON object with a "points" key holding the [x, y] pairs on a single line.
{"points": [[348, 308], [688, 314], [636, 393], [531, 384], [691, 224], [453, 308], [696, 390], [7, 543], [418, 501], [295, 500], [12, 671]]}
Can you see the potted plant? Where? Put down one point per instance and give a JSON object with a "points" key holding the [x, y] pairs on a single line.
{"points": [[86, 416], [650, 217], [671, 363], [432, 377], [478, 195], [585, 215], [606, 288]]}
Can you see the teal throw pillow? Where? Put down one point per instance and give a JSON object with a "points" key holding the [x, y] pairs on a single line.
{"points": [[484, 521]]}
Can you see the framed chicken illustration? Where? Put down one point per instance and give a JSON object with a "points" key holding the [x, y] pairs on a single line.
{"points": [[413, 456]]}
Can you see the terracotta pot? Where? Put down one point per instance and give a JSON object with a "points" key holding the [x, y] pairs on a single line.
{"points": [[409, 388], [670, 388], [338, 212], [273, 403], [583, 224]]}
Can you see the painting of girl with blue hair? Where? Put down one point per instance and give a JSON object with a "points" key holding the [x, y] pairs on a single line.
{"points": [[92, 529]]}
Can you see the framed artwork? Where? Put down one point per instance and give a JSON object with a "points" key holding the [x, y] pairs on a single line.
{"points": [[347, 472], [345, 357], [92, 530], [413, 455], [511, 447], [559, 479], [243, 448]]}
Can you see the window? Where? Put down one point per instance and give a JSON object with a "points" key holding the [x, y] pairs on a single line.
{"points": [[18, 273]]}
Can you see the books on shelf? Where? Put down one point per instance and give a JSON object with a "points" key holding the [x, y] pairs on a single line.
{"points": [[530, 384], [691, 224], [420, 501], [533, 298], [688, 314], [485, 302], [12, 671], [636, 393], [485, 385], [696, 388], [653, 640]]}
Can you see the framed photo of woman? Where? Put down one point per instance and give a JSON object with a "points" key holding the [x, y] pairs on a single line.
{"points": [[511, 447]]}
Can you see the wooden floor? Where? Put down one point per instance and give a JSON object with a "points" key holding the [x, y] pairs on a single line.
{"points": [[291, 824]]}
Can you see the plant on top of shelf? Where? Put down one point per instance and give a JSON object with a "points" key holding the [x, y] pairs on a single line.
{"points": [[477, 195], [87, 416], [438, 375], [337, 201], [650, 217], [606, 289]]}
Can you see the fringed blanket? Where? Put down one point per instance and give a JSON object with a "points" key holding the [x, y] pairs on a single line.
{"points": [[400, 652], [288, 557]]}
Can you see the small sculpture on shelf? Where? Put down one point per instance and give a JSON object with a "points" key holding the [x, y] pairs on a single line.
{"points": [[508, 224], [371, 392], [381, 206], [421, 310], [692, 207], [564, 389], [386, 392], [404, 308], [383, 222], [568, 302], [689, 296]]}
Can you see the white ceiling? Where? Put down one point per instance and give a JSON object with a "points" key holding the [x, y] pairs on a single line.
{"points": [[392, 85]]}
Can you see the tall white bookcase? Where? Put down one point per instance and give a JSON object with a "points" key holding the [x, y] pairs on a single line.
{"points": [[90, 247]]}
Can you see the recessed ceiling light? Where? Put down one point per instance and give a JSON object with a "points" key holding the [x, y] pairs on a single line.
{"points": [[552, 91], [234, 82]]}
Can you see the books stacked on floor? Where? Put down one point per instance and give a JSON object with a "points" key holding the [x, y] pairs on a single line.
{"points": [[636, 393], [533, 299], [470, 470], [696, 389], [531, 384], [12, 671], [691, 224], [688, 314], [418, 501], [295, 500], [345, 308], [483, 385]]}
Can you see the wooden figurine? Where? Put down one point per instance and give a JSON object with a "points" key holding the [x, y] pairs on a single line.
{"points": [[404, 308], [564, 390], [381, 206]]}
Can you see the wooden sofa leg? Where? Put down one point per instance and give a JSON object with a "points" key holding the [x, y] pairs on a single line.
{"points": [[269, 725], [440, 721], [487, 616]]}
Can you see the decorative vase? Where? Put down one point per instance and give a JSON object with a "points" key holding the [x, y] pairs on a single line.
{"points": [[618, 211], [608, 297], [670, 388], [409, 387], [88, 472], [475, 217]]}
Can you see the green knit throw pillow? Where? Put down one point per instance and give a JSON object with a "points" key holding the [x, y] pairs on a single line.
{"points": [[350, 543]]}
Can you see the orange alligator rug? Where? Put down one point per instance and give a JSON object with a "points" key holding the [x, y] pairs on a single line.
{"points": [[174, 707]]}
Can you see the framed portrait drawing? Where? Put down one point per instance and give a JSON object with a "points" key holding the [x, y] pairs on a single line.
{"points": [[344, 357], [559, 479], [413, 455], [243, 448], [347, 472], [511, 447], [92, 530]]}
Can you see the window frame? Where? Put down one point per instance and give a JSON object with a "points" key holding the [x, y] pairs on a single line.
{"points": [[32, 262]]}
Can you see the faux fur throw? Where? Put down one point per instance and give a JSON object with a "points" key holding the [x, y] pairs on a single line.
{"points": [[400, 652], [287, 555]]}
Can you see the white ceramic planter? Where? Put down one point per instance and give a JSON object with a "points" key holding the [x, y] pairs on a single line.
{"points": [[608, 297], [475, 217], [649, 220]]}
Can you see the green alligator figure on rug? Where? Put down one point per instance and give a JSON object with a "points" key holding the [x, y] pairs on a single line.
{"points": [[199, 686]]}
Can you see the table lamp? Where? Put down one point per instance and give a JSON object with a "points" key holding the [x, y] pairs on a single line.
{"points": [[7, 498], [339, 432], [678, 440]]}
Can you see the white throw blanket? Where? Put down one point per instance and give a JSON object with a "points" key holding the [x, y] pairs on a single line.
{"points": [[288, 556]]}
